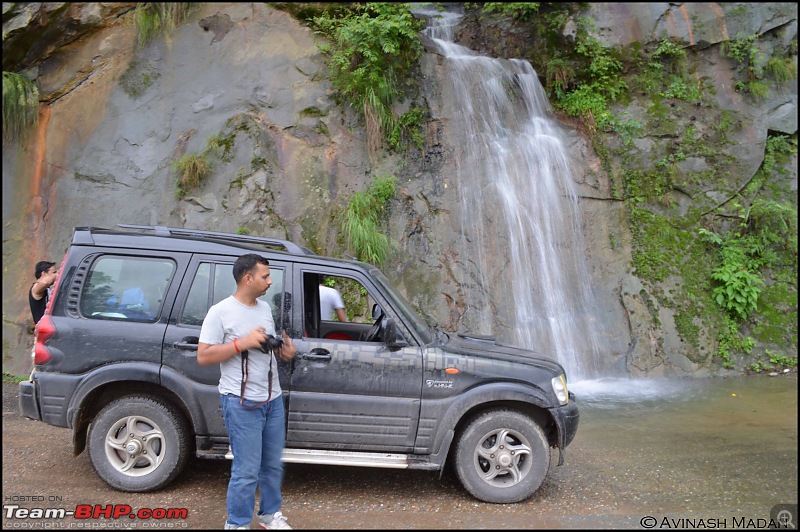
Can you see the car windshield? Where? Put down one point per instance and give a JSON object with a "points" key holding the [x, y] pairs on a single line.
{"points": [[419, 325]]}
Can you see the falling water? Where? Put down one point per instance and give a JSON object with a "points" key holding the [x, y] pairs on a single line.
{"points": [[521, 222]]}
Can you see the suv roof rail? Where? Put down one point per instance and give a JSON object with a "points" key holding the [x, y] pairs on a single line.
{"points": [[161, 230]]}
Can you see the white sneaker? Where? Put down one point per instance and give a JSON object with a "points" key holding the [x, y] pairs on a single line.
{"points": [[229, 526], [278, 522]]}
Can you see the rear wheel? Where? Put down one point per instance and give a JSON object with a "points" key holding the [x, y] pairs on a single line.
{"points": [[502, 456], [138, 444]]}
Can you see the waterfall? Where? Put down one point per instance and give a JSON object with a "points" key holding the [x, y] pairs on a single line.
{"points": [[521, 237]]}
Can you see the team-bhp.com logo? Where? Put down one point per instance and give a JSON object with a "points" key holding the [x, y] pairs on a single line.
{"points": [[94, 511]]}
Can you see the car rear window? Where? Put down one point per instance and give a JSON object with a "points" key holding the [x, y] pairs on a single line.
{"points": [[126, 288]]}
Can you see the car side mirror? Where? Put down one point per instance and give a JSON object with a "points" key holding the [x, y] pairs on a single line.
{"points": [[392, 336]]}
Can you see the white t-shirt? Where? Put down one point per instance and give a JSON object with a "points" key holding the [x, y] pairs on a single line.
{"points": [[231, 319], [329, 301]]}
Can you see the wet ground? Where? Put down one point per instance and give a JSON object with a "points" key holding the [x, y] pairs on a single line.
{"points": [[712, 449]]}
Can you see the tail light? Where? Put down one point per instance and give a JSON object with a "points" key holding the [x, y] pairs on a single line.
{"points": [[45, 329]]}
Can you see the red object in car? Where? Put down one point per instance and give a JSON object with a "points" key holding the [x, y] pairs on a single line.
{"points": [[337, 336]]}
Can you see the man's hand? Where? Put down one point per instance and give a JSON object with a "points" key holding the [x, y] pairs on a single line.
{"points": [[288, 351], [40, 286], [253, 339]]}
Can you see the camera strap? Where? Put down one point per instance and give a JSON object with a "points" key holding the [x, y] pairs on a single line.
{"points": [[245, 357]]}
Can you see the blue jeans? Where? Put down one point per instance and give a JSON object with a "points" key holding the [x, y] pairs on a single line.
{"points": [[257, 439]]}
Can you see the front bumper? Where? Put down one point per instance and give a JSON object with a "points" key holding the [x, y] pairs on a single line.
{"points": [[28, 405], [570, 417], [566, 418]]}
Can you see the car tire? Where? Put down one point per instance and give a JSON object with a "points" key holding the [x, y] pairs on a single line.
{"points": [[138, 443], [502, 456]]}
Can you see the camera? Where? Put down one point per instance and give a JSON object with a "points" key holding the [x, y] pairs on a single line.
{"points": [[271, 343]]}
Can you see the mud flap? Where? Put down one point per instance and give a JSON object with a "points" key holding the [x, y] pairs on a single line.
{"points": [[28, 402]]}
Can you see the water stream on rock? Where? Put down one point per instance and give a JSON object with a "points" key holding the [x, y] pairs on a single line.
{"points": [[521, 238]]}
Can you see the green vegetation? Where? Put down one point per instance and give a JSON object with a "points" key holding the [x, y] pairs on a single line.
{"points": [[372, 51], [407, 130], [559, 74], [763, 240], [14, 379], [774, 361], [602, 84], [738, 286], [781, 360], [363, 221], [583, 79], [220, 146], [729, 341], [193, 168], [755, 68], [723, 272], [153, 18], [20, 105], [518, 10], [781, 69], [666, 74], [355, 297]]}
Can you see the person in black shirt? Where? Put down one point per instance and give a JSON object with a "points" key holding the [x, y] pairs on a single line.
{"points": [[38, 295]]}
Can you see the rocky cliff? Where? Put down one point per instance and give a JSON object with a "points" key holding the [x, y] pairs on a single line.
{"points": [[115, 117]]}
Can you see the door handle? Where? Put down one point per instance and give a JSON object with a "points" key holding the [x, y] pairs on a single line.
{"points": [[317, 355], [185, 345], [188, 343]]}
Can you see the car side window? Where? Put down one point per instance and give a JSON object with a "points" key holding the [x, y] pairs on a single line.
{"points": [[217, 279], [224, 284], [126, 288], [197, 301], [325, 295]]}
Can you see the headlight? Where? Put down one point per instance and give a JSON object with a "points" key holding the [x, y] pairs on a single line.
{"points": [[560, 389]]}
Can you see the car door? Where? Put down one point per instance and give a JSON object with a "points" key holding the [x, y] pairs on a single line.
{"points": [[209, 279], [350, 394]]}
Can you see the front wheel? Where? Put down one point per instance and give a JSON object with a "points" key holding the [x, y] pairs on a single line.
{"points": [[138, 444], [502, 456]]}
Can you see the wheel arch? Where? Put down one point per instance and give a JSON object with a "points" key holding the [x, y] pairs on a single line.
{"points": [[111, 382], [529, 400]]}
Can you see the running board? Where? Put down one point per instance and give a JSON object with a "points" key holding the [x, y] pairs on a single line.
{"points": [[343, 458], [347, 458]]}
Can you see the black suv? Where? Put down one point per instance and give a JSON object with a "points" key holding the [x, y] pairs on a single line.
{"points": [[115, 361]]}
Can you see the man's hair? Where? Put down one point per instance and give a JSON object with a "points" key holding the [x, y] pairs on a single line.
{"points": [[42, 266], [246, 264]]}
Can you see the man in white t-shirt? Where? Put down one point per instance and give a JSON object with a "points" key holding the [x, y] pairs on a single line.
{"points": [[330, 303], [232, 336]]}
